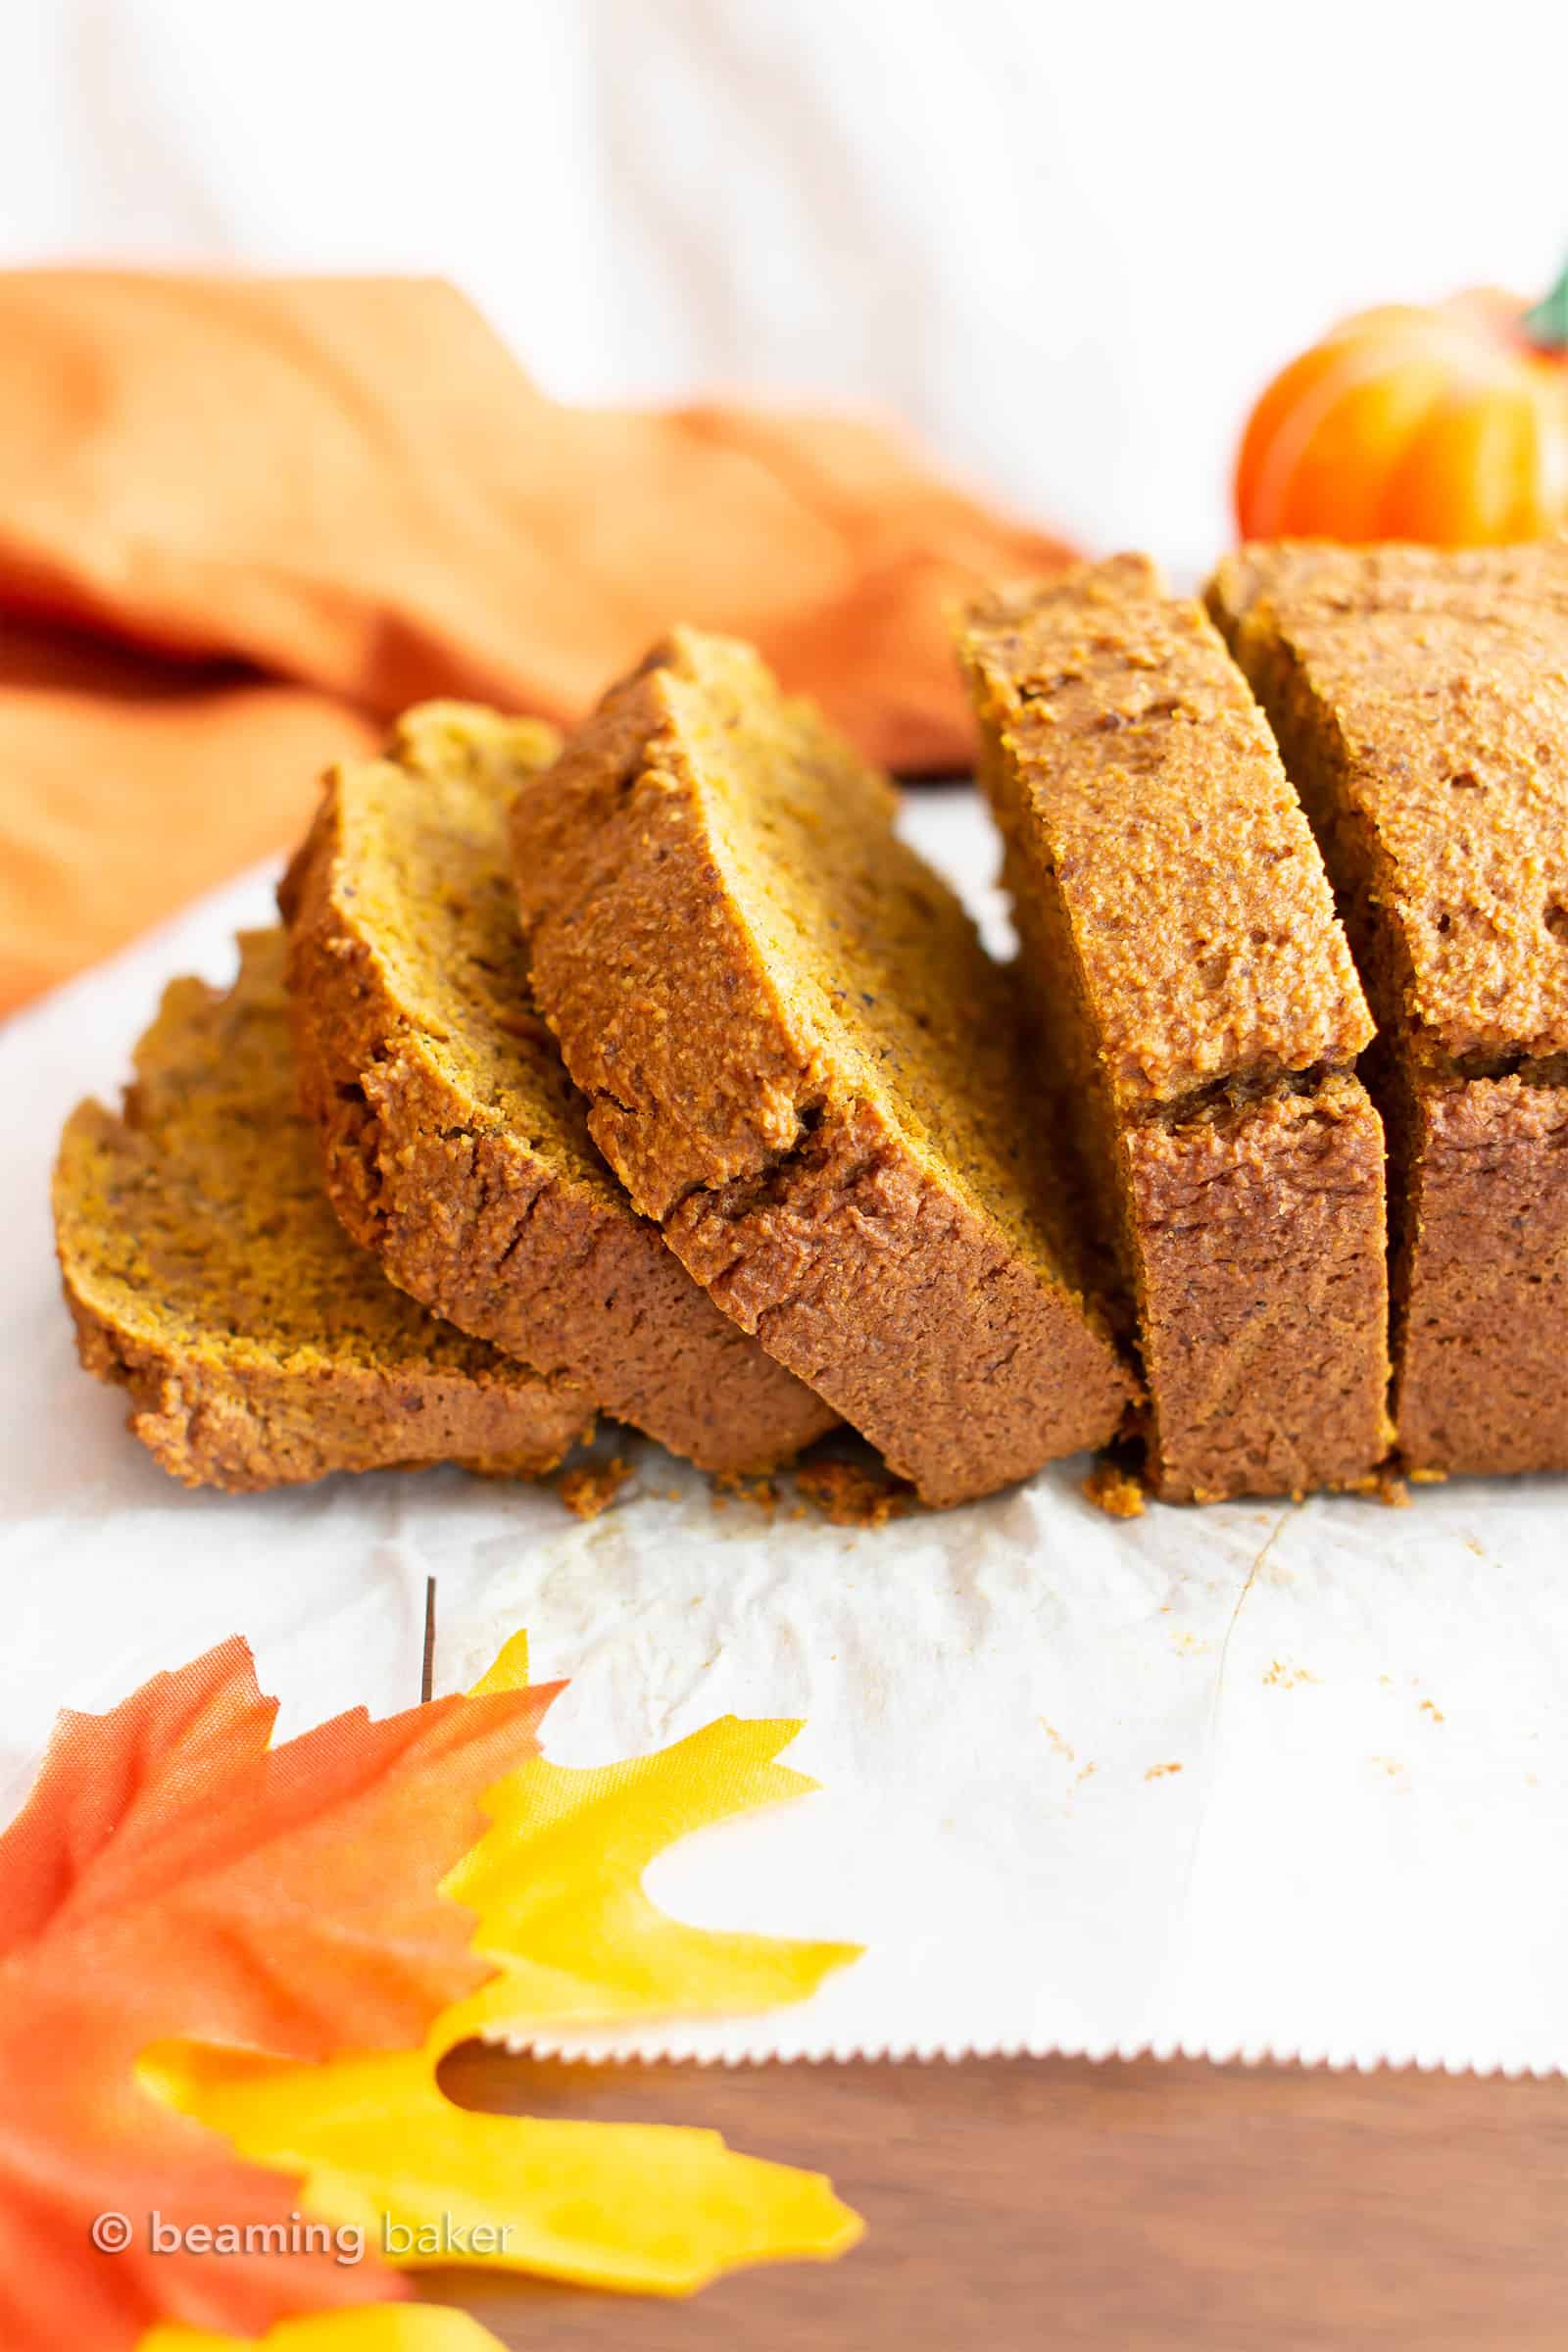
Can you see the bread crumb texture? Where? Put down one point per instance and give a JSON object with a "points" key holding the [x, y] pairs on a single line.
{"points": [[588, 1489]]}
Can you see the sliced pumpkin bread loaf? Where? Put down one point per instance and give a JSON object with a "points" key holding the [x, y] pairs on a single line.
{"points": [[1189, 977], [454, 1145], [208, 1275], [1421, 703], [799, 1058]]}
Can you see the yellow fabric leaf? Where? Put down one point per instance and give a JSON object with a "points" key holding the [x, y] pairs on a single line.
{"points": [[653, 2208], [511, 1669], [377, 2328], [556, 1883]]}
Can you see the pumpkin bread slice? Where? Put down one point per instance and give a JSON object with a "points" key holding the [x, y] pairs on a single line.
{"points": [[208, 1275], [454, 1145], [1178, 941], [800, 1059], [1420, 699]]}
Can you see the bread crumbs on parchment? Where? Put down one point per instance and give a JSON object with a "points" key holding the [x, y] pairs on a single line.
{"points": [[855, 1493], [734, 1486], [592, 1486], [1114, 1491]]}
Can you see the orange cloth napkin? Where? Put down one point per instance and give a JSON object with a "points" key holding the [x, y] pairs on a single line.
{"points": [[244, 521]]}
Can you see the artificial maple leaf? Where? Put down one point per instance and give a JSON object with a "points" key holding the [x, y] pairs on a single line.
{"points": [[170, 1863], [171, 1874], [556, 1884]]}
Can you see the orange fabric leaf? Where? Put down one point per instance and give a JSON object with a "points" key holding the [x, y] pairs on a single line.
{"points": [[173, 1875], [129, 785], [307, 503]]}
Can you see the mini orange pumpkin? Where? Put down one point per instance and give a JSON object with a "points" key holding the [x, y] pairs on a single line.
{"points": [[1446, 423]]}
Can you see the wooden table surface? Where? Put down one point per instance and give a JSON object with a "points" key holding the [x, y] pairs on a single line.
{"points": [[1052, 2203]]}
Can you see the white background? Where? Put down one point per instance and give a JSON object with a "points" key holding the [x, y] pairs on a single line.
{"points": [[1067, 244]]}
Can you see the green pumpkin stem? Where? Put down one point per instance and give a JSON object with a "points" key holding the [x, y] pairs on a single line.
{"points": [[1547, 325]]}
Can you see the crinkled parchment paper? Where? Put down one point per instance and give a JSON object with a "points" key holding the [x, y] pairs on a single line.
{"points": [[1262, 1777]]}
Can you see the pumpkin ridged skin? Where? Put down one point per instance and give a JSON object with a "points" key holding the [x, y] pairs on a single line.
{"points": [[1439, 423]]}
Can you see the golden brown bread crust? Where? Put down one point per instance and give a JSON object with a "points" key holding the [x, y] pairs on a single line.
{"points": [[207, 1274], [799, 1058], [1202, 920], [1436, 686], [1421, 702], [453, 1144], [1195, 992]]}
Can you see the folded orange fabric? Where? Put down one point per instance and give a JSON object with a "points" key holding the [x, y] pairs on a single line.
{"points": [[242, 521]]}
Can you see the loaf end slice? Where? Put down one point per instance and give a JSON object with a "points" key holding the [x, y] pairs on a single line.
{"points": [[799, 1058], [208, 1275], [454, 1145]]}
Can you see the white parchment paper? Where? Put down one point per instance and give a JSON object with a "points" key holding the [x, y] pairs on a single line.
{"points": [[1286, 1779]]}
